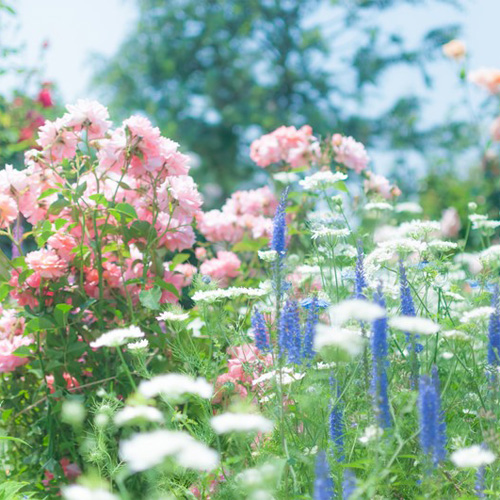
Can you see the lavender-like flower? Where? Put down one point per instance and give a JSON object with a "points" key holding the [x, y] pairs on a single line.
{"points": [[309, 329], [323, 483], [494, 330], [289, 335], [337, 429], [360, 278], [380, 363], [260, 331], [479, 486], [278, 240], [432, 425], [348, 484]]}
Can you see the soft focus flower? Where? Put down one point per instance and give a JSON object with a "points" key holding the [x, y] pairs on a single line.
{"points": [[454, 49], [117, 337], [140, 344], [172, 316], [46, 263], [133, 414], [322, 180], [146, 450], [414, 324], [495, 129], [473, 456], [450, 223], [225, 266], [347, 340], [78, 492], [357, 309], [350, 153], [241, 422], [488, 78], [174, 385], [8, 211]]}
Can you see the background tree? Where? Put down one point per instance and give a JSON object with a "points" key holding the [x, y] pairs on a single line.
{"points": [[214, 75]]}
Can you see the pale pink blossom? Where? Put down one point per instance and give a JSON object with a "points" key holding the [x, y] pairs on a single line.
{"points": [[8, 211], [9, 361], [379, 184], [350, 153], [63, 243], [88, 115], [47, 263], [56, 140], [225, 266], [454, 49], [450, 223], [495, 129], [488, 78]]}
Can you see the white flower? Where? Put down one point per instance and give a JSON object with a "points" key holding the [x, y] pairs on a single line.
{"points": [[455, 334], [322, 180], [485, 224], [77, 492], [286, 376], [474, 456], [117, 337], [414, 324], [409, 207], [490, 256], [286, 177], [132, 414], [348, 340], [442, 246], [143, 451], [419, 229], [195, 326], [381, 206], [175, 385], [475, 218], [241, 422], [371, 432], [140, 344], [172, 316], [322, 232], [211, 296], [476, 314], [268, 255], [357, 309]]}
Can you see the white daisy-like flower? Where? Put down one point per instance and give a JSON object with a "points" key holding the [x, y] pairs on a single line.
{"points": [[146, 450], [211, 296], [326, 232], [117, 337], [477, 314], [322, 180], [409, 207], [414, 324], [140, 344], [474, 456], [174, 385], [79, 492], [357, 309], [241, 422], [172, 316], [348, 340], [268, 255], [134, 414], [378, 206], [371, 433]]}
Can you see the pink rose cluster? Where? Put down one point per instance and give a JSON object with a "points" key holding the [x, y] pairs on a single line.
{"points": [[378, 184], [246, 213], [225, 266], [135, 168], [11, 338], [245, 365], [351, 153], [286, 145]]}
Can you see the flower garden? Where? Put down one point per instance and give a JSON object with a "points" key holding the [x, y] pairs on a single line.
{"points": [[314, 338]]}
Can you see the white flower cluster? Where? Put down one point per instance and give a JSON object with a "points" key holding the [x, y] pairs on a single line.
{"points": [[134, 414], [174, 385], [414, 324], [146, 450], [322, 180], [331, 232], [355, 309], [241, 422], [268, 255], [78, 492], [172, 316], [473, 457], [211, 296], [349, 341], [117, 337]]}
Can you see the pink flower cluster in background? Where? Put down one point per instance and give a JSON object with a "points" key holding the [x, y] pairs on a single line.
{"points": [[11, 338], [226, 265]]}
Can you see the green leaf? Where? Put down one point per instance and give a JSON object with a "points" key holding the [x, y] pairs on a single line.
{"points": [[178, 259], [47, 193], [100, 199], [57, 206], [166, 286], [248, 245], [150, 299], [61, 312], [23, 351], [126, 209], [38, 324]]}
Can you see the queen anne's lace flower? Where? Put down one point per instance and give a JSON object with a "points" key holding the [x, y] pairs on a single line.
{"points": [[174, 385], [241, 422], [117, 337]]}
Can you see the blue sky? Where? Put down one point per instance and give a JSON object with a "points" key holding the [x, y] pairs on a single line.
{"points": [[76, 29]]}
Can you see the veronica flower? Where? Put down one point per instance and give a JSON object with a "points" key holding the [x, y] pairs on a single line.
{"points": [[380, 364], [310, 329], [432, 427], [337, 429], [278, 240], [323, 483], [260, 331], [494, 331], [360, 281], [348, 484], [479, 486], [289, 337]]}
